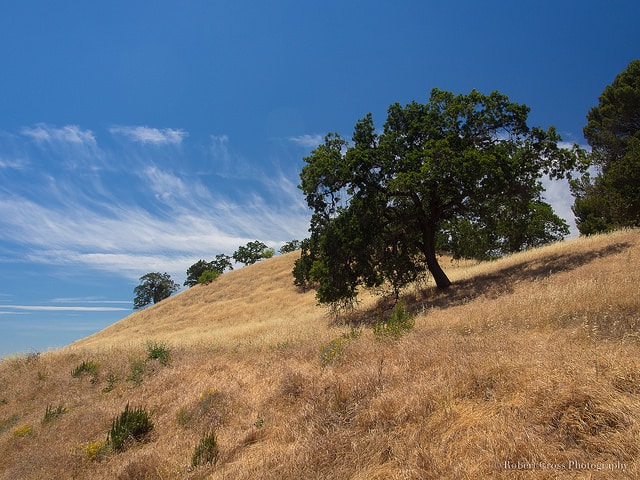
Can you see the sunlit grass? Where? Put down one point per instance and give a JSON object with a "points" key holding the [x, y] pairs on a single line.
{"points": [[530, 359]]}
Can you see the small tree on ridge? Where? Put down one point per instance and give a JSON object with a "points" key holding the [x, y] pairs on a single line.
{"points": [[154, 287]]}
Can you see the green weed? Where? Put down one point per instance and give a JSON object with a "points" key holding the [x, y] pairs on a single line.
{"points": [[399, 323], [136, 371], [89, 367], [330, 351], [52, 413], [158, 351], [132, 425], [207, 451]]}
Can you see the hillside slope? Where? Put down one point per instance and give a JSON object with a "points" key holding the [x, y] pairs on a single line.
{"points": [[256, 303], [527, 367]]}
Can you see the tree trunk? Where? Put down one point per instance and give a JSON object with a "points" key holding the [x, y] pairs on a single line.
{"points": [[429, 243], [428, 226]]}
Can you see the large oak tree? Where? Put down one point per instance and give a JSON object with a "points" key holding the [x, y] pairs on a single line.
{"points": [[384, 202]]}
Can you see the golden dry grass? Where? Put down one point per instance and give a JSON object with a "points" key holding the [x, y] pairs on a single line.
{"points": [[527, 367]]}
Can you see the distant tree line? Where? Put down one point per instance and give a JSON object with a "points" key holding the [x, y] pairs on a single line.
{"points": [[155, 287]]}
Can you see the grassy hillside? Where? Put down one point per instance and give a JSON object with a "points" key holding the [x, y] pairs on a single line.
{"points": [[528, 367]]}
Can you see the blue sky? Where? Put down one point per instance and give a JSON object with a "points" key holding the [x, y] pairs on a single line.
{"points": [[142, 136]]}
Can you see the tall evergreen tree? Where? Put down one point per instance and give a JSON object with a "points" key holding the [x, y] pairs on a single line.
{"points": [[610, 198]]}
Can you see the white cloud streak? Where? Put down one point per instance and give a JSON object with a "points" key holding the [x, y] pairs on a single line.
{"points": [[308, 141], [47, 308], [72, 134], [12, 164], [156, 136]]}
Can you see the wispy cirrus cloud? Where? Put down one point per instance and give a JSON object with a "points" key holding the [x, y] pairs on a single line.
{"points": [[50, 308], [307, 141], [12, 164], [70, 146], [73, 134], [144, 213], [149, 135]]}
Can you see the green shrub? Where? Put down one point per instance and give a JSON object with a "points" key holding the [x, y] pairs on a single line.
{"points": [[129, 427], [399, 323], [207, 450], [87, 366], [112, 379], [330, 351], [208, 276], [137, 369], [158, 351], [51, 413]]}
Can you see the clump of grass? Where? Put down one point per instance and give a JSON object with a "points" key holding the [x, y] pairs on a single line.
{"points": [[52, 413], [132, 425], [112, 379], [330, 351], [399, 323], [88, 367], [184, 416], [158, 351], [136, 371], [207, 451], [22, 431]]}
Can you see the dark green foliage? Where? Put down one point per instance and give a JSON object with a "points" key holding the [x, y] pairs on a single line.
{"points": [[252, 252], [302, 266], [291, 246], [507, 231], [154, 287], [220, 264], [158, 351], [207, 451], [609, 196], [132, 425], [461, 172]]}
